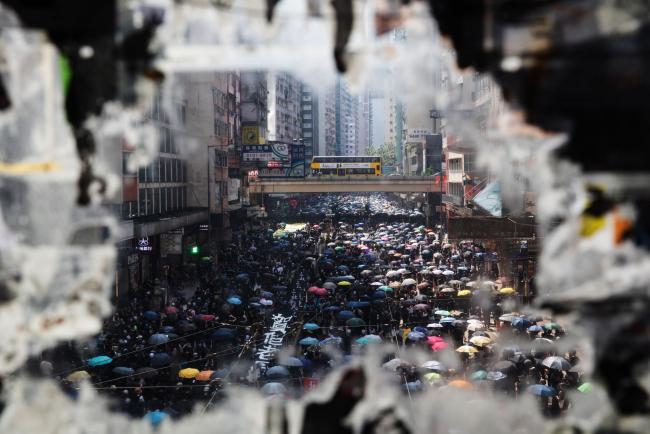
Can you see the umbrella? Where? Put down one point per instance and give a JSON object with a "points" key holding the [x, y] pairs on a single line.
{"points": [[415, 336], [585, 387], [310, 326], [432, 376], [464, 293], [557, 363], [332, 340], [507, 291], [204, 375], [447, 320], [379, 294], [344, 283], [433, 339], [377, 284], [223, 334], [188, 373], [408, 282], [99, 361], [507, 317], [433, 365], [151, 315], [504, 366], [439, 346], [355, 322], [123, 371], [265, 302], [373, 339], [160, 360], [220, 374], [277, 372], [480, 341], [393, 364], [541, 390], [442, 313], [205, 317], [308, 341], [461, 384], [345, 314], [157, 339], [447, 290], [385, 288], [234, 301], [270, 389], [420, 329], [292, 362], [242, 276], [468, 349], [479, 375], [156, 417], [265, 294], [552, 326], [535, 329], [447, 273], [496, 376], [78, 376], [520, 322], [475, 326], [171, 309], [167, 329], [329, 285], [434, 325], [421, 306]]}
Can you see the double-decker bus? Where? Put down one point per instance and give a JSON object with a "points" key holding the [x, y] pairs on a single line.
{"points": [[346, 166]]}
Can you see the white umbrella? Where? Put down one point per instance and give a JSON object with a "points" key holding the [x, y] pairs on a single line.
{"points": [[408, 282], [447, 273], [433, 365]]}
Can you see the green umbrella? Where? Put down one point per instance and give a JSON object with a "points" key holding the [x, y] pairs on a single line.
{"points": [[585, 387], [442, 312], [552, 326], [432, 376], [385, 289], [339, 249], [355, 322], [479, 375]]}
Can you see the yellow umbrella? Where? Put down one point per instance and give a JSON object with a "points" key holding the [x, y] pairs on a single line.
{"points": [[507, 291], [466, 349], [78, 376], [344, 283], [188, 373], [481, 341], [464, 293], [394, 285]]}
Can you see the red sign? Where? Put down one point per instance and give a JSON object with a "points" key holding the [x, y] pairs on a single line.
{"points": [[274, 164], [252, 174]]}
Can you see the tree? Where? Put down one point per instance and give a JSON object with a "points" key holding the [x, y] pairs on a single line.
{"points": [[386, 152]]}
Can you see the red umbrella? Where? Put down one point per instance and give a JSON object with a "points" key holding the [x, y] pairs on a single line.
{"points": [[320, 292], [433, 339], [206, 317], [439, 346], [171, 309], [313, 289]]}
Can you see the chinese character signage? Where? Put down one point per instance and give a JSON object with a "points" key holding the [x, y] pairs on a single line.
{"points": [[272, 341], [250, 135], [266, 153]]}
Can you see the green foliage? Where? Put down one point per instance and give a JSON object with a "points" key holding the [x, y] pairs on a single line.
{"points": [[386, 152]]}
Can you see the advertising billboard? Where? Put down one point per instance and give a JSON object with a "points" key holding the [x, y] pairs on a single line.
{"points": [[265, 153], [250, 135]]}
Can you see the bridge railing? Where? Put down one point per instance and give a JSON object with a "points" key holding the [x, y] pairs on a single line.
{"points": [[328, 178]]}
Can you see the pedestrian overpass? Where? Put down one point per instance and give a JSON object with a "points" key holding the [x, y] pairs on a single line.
{"points": [[344, 184]]}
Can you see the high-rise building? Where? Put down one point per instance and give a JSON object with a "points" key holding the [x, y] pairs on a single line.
{"points": [[327, 122], [363, 123], [253, 107], [284, 107], [346, 120], [310, 123]]}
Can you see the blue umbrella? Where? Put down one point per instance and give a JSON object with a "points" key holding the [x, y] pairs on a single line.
{"points": [[292, 362], [415, 336], [520, 322], [167, 329], [541, 390], [223, 334], [420, 330], [331, 309], [308, 341], [332, 340], [254, 304], [242, 276], [447, 320], [357, 304], [99, 361], [123, 371], [379, 294], [151, 315], [156, 417], [310, 326], [234, 301], [160, 360], [266, 294], [277, 372], [158, 339], [345, 314], [535, 329]]}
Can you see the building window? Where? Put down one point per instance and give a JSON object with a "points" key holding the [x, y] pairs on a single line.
{"points": [[142, 201], [307, 134]]}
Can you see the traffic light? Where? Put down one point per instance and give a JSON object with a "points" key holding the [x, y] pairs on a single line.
{"points": [[194, 250]]}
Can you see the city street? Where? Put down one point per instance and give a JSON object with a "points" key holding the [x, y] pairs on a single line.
{"points": [[292, 301]]}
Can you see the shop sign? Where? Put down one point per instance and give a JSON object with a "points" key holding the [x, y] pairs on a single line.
{"points": [[144, 245]]}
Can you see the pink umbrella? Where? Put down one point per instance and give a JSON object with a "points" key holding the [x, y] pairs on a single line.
{"points": [[433, 339], [313, 289], [171, 309], [206, 317], [439, 346], [320, 292]]}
